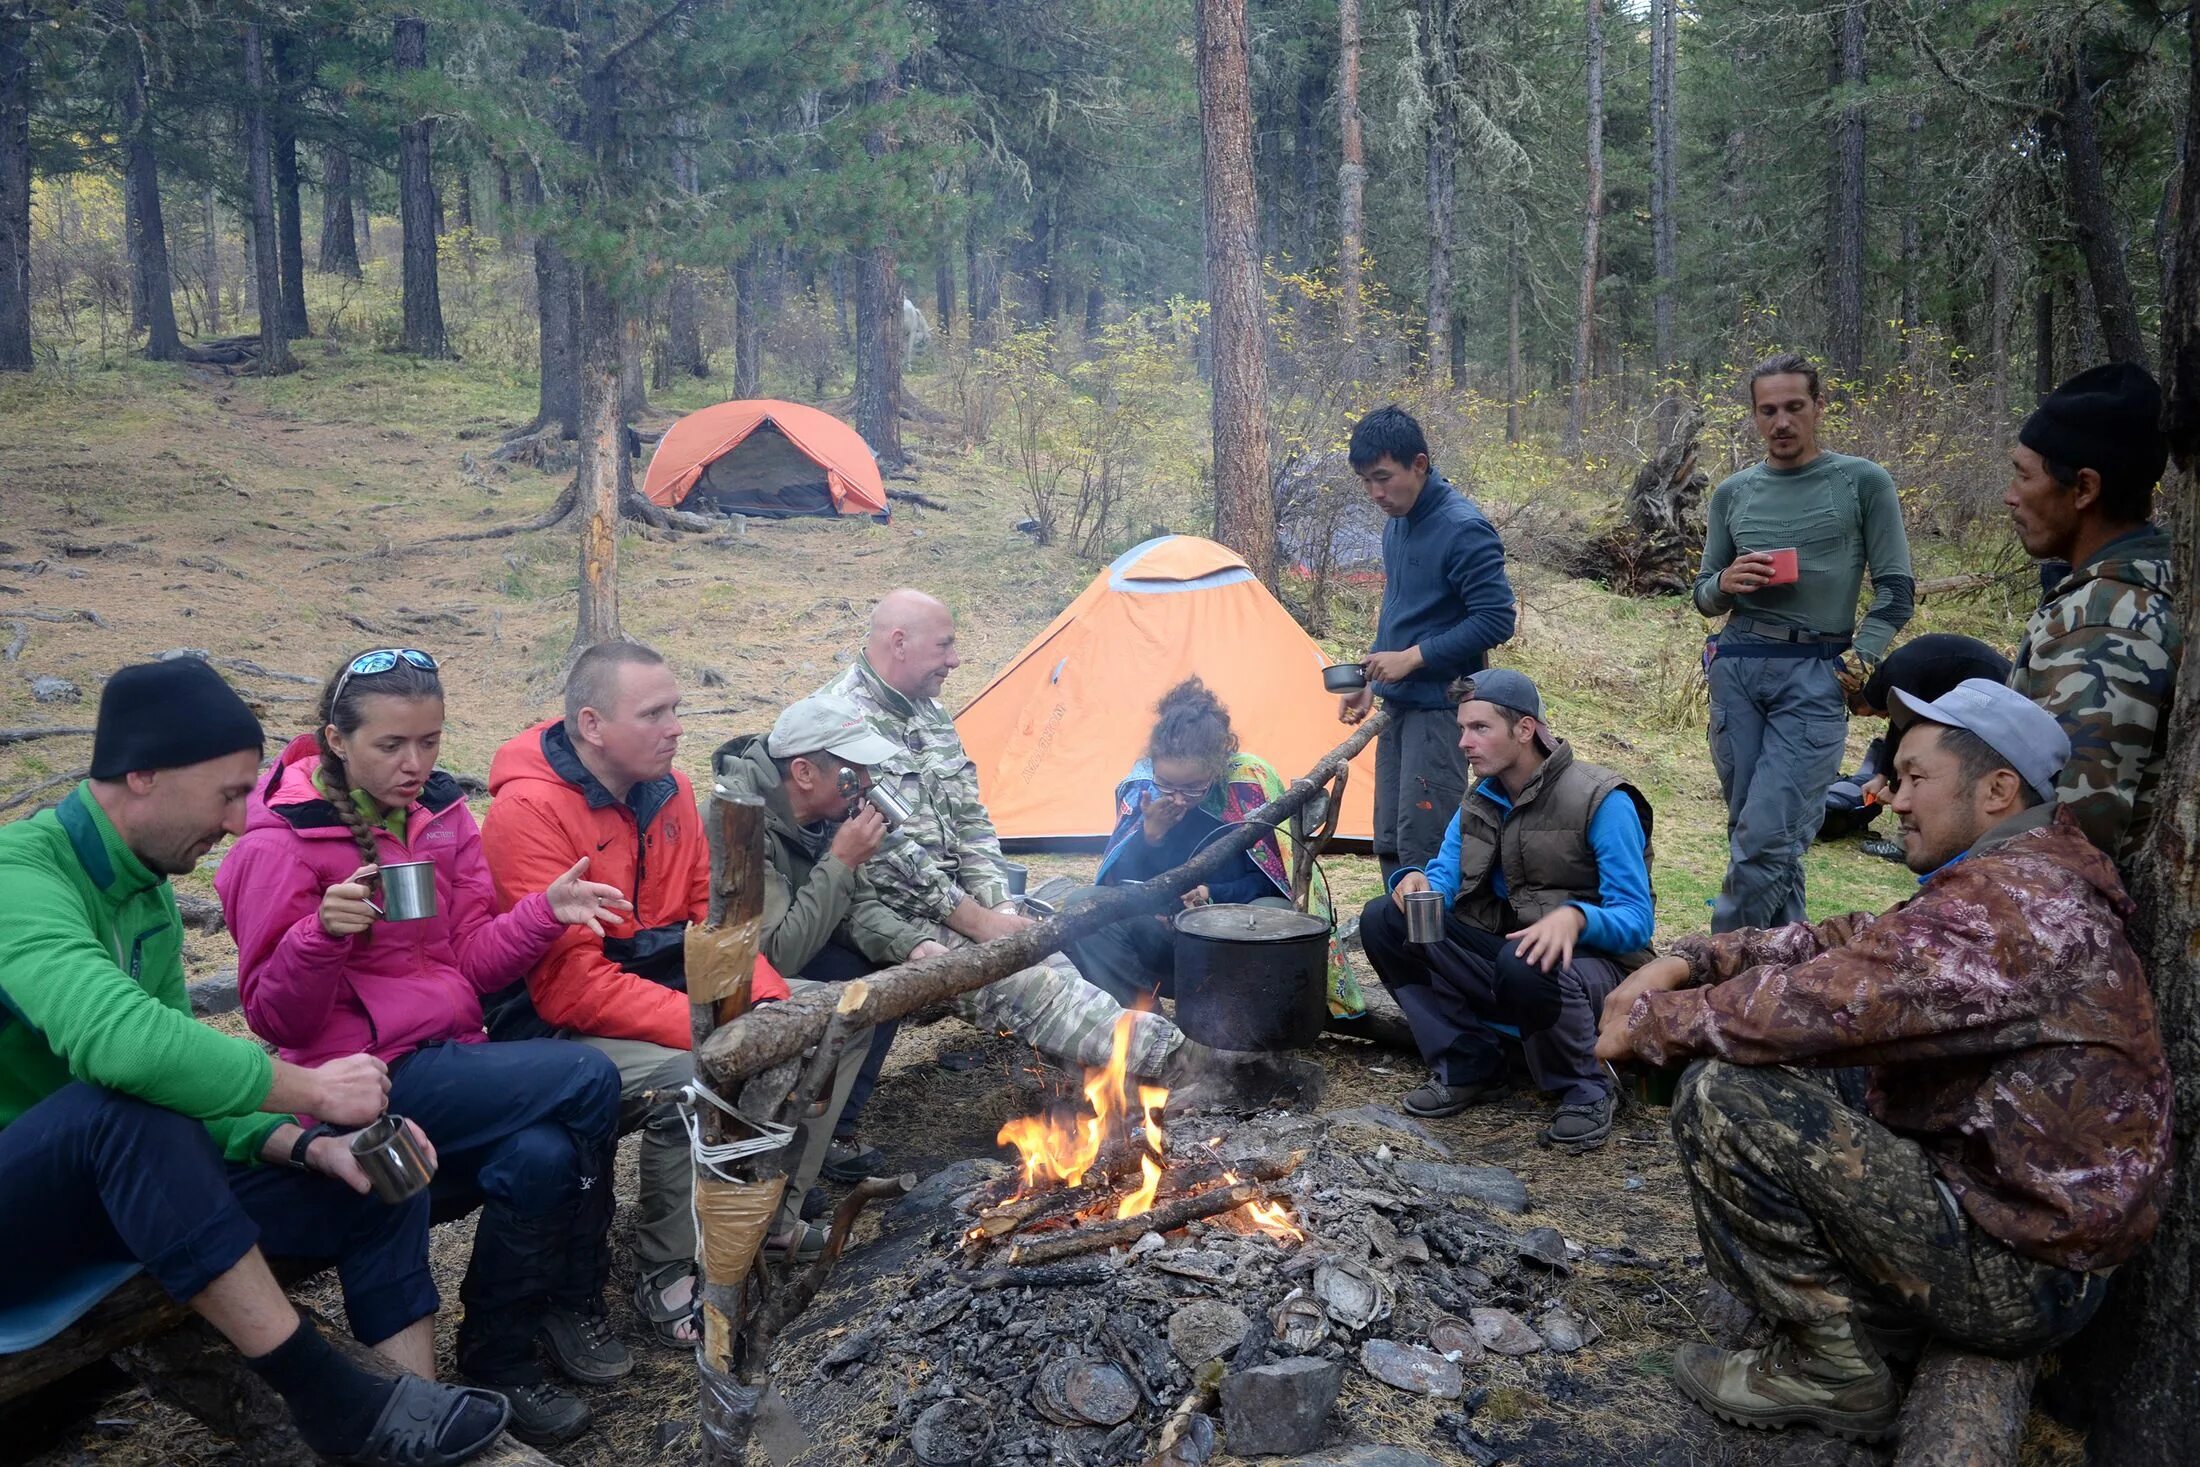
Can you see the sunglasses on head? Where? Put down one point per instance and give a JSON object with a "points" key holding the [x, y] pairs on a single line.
{"points": [[381, 660]]}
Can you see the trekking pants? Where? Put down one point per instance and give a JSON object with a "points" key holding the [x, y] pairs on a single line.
{"points": [[1420, 777], [89, 1175], [1814, 1210], [1051, 1007], [1778, 728]]}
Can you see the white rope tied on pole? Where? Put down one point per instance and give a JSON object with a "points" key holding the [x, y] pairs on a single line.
{"points": [[713, 1159]]}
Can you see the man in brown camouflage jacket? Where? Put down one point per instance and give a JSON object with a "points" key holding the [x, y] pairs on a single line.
{"points": [[2101, 651], [2012, 1142]]}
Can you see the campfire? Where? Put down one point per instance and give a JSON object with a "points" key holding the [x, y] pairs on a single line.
{"points": [[1073, 1194]]}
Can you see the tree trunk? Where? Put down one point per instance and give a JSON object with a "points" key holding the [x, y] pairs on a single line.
{"points": [[364, 208], [339, 244], [424, 335], [2149, 1349], [130, 261], [211, 267], [162, 342], [2043, 335], [275, 355], [1439, 26], [1352, 172], [1913, 239], [1997, 347], [943, 294], [748, 324], [1664, 229], [1245, 506], [684, 324], [15, 192], [633, 385], [605, 470], [878, 341], [1845, 264], [1592, 217], [290, 246], [2092, 215], [465, 198], [1513, 383]]}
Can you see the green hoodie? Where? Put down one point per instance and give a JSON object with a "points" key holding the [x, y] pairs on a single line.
{"points": [[810, 898], [91, 983]]}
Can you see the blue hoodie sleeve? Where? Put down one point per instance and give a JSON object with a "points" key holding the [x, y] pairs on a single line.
{"points": [[1475, 567], [1623, 919], [1443, 871]]}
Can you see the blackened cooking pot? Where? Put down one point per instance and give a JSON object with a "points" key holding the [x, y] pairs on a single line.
{"points": [[1251, 977]]}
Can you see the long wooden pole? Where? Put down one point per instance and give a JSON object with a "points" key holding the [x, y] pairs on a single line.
{"points": [[770, 1035]]}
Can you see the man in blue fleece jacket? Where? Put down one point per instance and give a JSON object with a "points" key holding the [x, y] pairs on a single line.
{"points": [[1545, 873], [1446, 603]]}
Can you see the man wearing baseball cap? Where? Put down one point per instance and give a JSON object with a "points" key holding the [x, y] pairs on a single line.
{"points": [[130, 1132], [2101, 652], [2013, 1142], [1544, 870]]}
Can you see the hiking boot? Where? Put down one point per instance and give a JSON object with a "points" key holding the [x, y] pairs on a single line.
{"points": [[1810, 1375], [543, 1414], [1581, 1127], [1436, 1099], [816, 1205], [1885, 850], [583, 1348], [848, 1161]]}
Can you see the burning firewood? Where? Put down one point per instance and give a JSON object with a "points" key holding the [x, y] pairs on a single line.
{"points": [[1168, 1217]]}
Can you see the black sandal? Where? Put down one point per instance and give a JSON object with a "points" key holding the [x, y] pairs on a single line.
{"points": [[664, 1320], [409, 1432]]}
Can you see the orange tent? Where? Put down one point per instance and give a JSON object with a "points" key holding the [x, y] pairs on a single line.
{"points": [[1068, 716], [765, 457]]}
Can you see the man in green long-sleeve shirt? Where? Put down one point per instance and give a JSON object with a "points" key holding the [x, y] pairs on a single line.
{"points": [[1792, 649], [129, 1131]]}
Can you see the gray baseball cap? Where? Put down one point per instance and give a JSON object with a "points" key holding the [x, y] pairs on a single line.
{"points": [[833, 725], [1507, 689], [2012, 725]]}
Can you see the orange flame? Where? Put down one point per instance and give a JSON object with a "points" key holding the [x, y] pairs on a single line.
{"points": [[1274, 1220], [1060, 1152]]}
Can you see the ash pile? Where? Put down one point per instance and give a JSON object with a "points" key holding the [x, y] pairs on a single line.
{"points": [[1001, 1320]]}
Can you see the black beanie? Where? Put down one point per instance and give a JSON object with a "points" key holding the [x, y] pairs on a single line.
{"points": [[2107, 419], [164, 715]]}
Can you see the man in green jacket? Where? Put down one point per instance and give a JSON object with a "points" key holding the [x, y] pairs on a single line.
{"points": [[130, 1131]]}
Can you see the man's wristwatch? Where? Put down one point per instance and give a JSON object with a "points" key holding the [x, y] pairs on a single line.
{"points": [[306, 1138]]}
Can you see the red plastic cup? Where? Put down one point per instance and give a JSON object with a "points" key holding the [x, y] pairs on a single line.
{"points": [[1785, 572]]}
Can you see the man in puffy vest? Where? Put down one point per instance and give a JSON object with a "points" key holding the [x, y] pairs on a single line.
{"points": [[1546, 884]]}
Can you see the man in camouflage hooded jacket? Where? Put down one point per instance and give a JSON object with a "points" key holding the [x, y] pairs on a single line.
{"points": [[2101, 652], [2012, 1141]]}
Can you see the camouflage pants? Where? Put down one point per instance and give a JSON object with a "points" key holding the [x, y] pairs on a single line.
{"points": [[1054, 1010], [1813, 1210]]}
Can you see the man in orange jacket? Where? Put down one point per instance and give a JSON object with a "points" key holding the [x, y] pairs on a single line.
{"points": [[599, 782]]}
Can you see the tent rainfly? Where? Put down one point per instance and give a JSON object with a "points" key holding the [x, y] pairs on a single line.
{"points": [[1063, 722], [766, 458]]}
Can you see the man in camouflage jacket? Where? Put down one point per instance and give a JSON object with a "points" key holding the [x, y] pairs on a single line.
{"points": [[2012, 1141], [943, 868], [2101, 652]]}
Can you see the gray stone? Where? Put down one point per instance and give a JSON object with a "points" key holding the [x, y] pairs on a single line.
{"points": [[1279, 1408], [1204, 1330], [1505, 1332], [1492, 1186], [56, 690], [944, 1186], [952, 1433], [1364, 1454], [1411, 1368]]}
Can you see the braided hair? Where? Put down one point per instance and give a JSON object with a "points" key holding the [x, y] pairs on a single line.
{"points": [[1193, 726], [341, 700]]}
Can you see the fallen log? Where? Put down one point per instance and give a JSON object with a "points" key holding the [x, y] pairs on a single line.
{"points": [[25, 735], [1965, 1410], [1168, 1217], [27, 792], [34, 613], [779, 1032]]}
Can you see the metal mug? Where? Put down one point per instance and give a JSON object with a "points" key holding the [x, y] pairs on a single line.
{"points": [[888, 803], [408, 891], [1424, 916], [1017, 876], [392, 1159]]}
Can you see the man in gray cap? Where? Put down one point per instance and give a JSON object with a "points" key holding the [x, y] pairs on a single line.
{"points": [[1546, 885], [2013, 1142]]}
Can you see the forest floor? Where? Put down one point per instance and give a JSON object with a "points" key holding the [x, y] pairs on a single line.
{"points": [[289, 523]]}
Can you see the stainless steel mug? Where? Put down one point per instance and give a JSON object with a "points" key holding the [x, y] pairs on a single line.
{"points": [[1424, 916], [408, 891], [888, 803], [392, 1159], [1017, 876]]}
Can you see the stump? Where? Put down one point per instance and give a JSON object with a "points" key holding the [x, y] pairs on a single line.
{"points": [[1656, 548]]}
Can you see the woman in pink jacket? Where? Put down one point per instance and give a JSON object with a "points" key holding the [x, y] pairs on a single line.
{"points": [[525, 1130]]}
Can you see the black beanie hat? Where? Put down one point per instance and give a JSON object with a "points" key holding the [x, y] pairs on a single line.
{"points": [[2107, 419], [164, 715]]}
